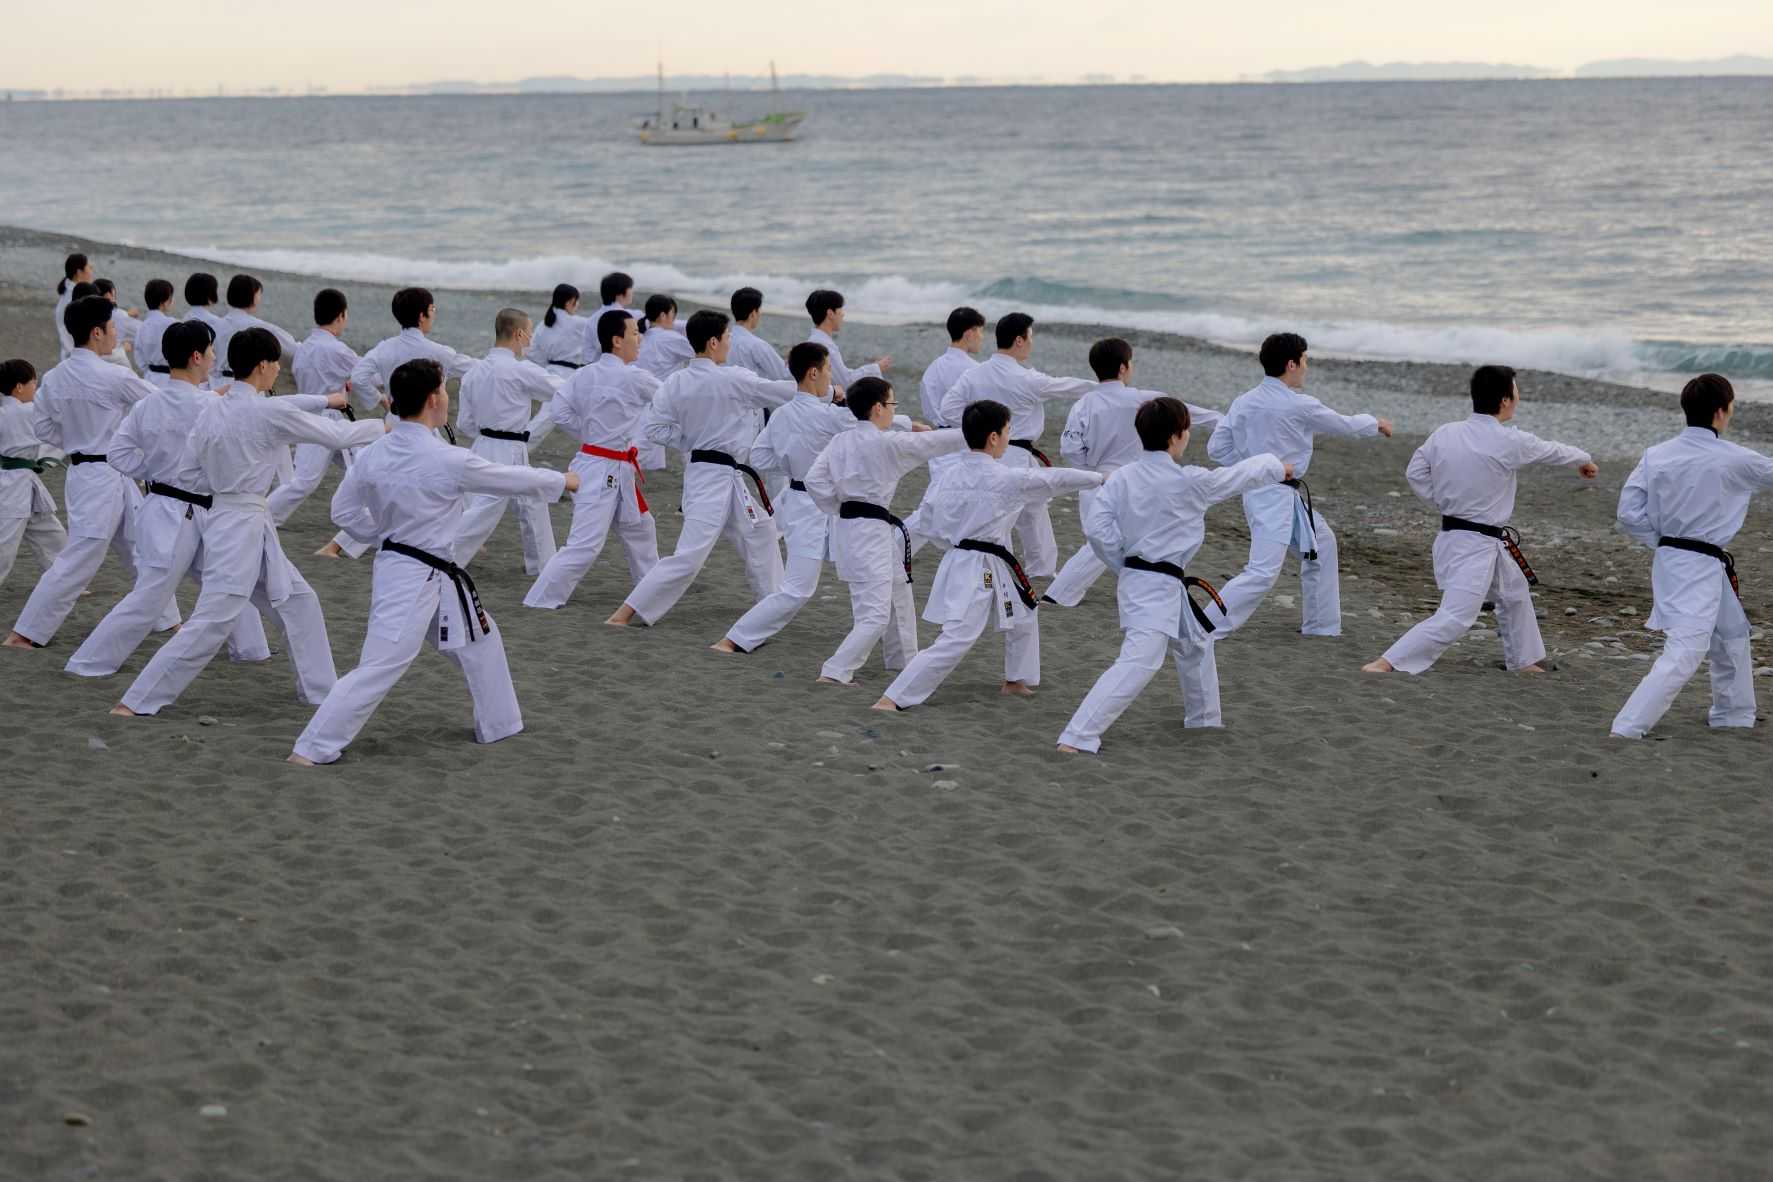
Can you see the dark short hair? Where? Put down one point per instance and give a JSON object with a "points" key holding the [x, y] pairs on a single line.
{"points": [[1107, 356], [1491, 386], [84, 290], [658, 305], [1013, 328], [964, 320], [85, 315], [822, 303], [1159, 421], [157, 292], [329, 305], [183, 339], [865, 394], [243, 290], [615, 285], [705, 326], [805, 357], [201, 289], [564, 294], [104, 287], [1704, 396], [251, 347], [1278, 349], [411, 385], [612, 326], [410, 305], [71, 266], [980, 419], [746, 301], [15, 373]]}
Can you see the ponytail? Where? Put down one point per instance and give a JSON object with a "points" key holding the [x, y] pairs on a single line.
{"points": [[564, 294]]}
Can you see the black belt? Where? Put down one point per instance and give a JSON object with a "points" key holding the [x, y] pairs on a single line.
{"points": [[1134, 562], [348, 412], [851, 510], [797, 485], [16, 463], [704, 456], [568, 364], [1024, 588], [1304, 490], [81, 457], [1694, 546], [1027, 445], [1507, 535], [449, 434], [465, 589], [227, 373], [159, 369], [513, 436], [201, 500]]}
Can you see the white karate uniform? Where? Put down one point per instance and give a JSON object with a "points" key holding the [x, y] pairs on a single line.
{"points": [[322, 365], [235, 441], [374, 368], [27, 511], [1156, 509], [79, 404], [1695, 486], [1275, 418], [664, 351], [63, 297], [411, 488], [233, 321], [939, 378], [1468, 470], [127, 328], [150, 444], [499, 393], [1024, 391], [603, 405], [590, 350], [841, 373], [795, 436], [866, 465], [1099, 435], [978, 498], [218, 325], [149, 352], [704, 407], [751, 351], [560, 345]]}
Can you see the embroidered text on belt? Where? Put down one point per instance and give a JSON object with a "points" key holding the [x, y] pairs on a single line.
{"points": [[1695, 546], [1304, 491], [191, 499], [513, 436], [1027, 445], [466, 592], [1506, 534], [1024, 588], [708, 456], [631, 456], [851, 510], [1134, 562], [81, 457]]}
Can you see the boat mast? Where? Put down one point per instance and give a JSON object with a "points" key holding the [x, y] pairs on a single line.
{"points": [[661, 121], [775, 90]]}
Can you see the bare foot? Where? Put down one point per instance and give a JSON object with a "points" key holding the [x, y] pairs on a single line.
{"points": [[122, 711], [1067, 749], [1016, 689], [14, 640], [886, 704], [1533, 668], [299, 760], [723, 645], [1379, 666], [621, 618], [330, 550]]}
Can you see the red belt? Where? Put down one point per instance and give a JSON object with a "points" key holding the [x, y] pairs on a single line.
{"points": [[631, 456]]}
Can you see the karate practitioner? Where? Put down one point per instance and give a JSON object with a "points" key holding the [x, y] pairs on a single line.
{"points": [[407, 492], [750, 350], [27, 511], [1099, 435], [560, 342], [149, 357], [77, 410], [76, 269], [602, 406], [663, 349], [415, 311], [966, 336], [245, 295], [1007, 378], [498, 397], [202, 294], [1686, 499], [854, 478], [235, 442], [322, 364], [826, 310], [1278, 416], [149, 446], [1148, 521], [972, 507], [1468, 470], [617, 291], [702, 411]]}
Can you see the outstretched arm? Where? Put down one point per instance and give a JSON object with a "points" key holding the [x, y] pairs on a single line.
{"points": [[475, 474], [1219, 484], [1530, 449], [290, 421]]}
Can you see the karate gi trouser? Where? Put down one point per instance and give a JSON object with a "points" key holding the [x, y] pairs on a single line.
{"points": [[775, 611], [125, 626], [1470, 568], [385, 660], [311, 460], [214, 619], [1076, 577], [1141, 656], [885, 613], [43, 532], [60, 586], [483, 511], [1320, 592], [1034, 527], [1689, 638], [705, 520], [931, 666], [605, 498]]}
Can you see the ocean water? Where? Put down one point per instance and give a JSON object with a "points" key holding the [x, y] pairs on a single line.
{"points": [[1618, 229]]}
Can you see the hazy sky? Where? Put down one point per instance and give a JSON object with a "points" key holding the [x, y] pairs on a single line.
{"points": [[355, 44]]}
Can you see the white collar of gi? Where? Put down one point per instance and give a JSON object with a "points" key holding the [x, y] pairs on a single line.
{"points": [[1703, 434], [704, 362]]}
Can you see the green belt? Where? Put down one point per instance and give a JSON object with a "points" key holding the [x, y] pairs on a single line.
{"points": [[13, 464]]}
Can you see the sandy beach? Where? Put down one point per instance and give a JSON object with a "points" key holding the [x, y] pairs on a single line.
{"points": [[706, 919]]}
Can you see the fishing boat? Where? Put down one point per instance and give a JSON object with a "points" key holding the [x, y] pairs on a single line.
{"points": [[685, 126]]}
